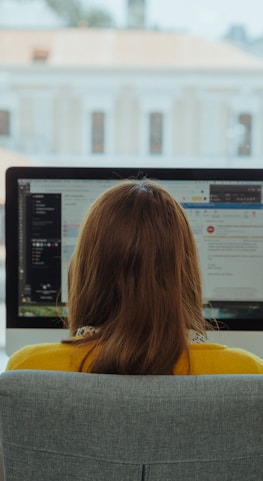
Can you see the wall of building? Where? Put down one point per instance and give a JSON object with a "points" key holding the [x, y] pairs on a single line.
{"points": [[51, 119]]}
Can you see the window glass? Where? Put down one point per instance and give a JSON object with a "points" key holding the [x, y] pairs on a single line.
{"points": [[245, 126], [4, 122], [98, 132], [129, 81], [156, 133]]}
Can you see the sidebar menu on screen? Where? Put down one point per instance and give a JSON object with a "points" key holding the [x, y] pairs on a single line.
{"points": [[43, 248]]}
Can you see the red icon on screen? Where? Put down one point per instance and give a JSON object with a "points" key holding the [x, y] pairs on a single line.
{"points": [[210, 229]]}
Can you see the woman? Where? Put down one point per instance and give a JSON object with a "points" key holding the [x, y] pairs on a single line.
{"points": [[135, 300]]}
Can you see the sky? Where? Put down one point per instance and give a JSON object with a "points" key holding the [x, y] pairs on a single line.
{"points": [[209, 18]]}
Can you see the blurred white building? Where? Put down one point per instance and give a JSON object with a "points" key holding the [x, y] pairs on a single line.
{"points": [[112, 96]]}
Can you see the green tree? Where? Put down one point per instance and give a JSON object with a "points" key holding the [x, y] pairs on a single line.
{"points": [[74, 14]]}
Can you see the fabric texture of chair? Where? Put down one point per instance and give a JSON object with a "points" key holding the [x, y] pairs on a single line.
{"points": [[57, 426]]}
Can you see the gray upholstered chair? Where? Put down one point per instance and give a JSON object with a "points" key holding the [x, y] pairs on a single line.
{"points": [[76, 427]]}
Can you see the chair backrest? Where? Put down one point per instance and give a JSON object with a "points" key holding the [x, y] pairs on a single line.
{"points": [[58, 426]]}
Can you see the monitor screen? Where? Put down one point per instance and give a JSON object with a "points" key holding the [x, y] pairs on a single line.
{"points": [[45, 206]]}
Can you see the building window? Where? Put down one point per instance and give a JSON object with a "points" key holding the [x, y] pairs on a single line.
{"points": [[40, 55], [4, 122], [98, 133], [156, 133], [245, 131]]}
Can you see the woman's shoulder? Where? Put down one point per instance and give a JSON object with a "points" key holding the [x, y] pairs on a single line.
{"points": [[48, 356], [226, 360]]}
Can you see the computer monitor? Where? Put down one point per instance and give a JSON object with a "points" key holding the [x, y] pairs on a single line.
{"points": [[45, 206]]}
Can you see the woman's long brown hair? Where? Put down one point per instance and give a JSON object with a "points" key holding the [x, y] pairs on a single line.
{"points": [[135, 274]]}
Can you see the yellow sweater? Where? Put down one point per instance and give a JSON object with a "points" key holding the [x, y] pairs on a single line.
{"points": [[204, 359]]}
